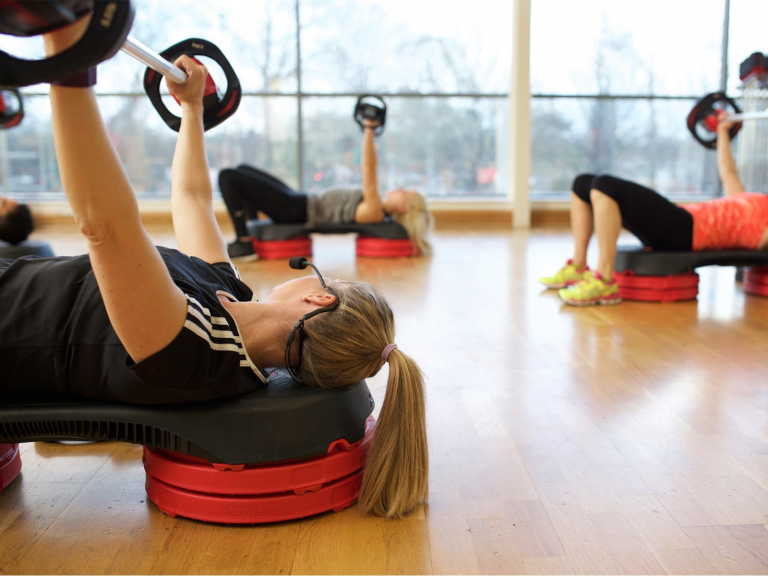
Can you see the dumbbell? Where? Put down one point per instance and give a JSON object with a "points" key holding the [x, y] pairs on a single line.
{"points": [[371, 107]]}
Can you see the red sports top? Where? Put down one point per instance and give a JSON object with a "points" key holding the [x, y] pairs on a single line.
{"points": [[737, 221]]}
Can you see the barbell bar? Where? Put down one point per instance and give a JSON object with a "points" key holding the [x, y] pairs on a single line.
{"points": [[153, 60], [741, 116]]}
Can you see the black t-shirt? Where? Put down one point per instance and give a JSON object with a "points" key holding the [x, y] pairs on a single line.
{"points": [[56, 338]]}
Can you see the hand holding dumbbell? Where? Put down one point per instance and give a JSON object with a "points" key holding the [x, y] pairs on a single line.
{"points": [[371, 112]]}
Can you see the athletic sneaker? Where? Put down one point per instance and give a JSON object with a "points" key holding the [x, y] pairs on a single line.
{"points": [[242, 251], [566, 276], [591, 290]]}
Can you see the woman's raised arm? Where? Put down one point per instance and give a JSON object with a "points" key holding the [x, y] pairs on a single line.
{"points": [[726, 165], [370, 210], [145, 307], [194, 222]]}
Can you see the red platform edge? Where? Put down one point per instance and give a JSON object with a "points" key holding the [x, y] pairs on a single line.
{"points": [[672, 288], [227, 509], [283, 249], [191, 473], [191, 487], [10, 464], [371, 247], [755, 281]]}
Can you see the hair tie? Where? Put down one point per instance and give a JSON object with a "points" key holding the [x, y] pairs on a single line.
{"points": [[387, 349]]}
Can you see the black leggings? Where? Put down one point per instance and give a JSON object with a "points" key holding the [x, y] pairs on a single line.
{"points": [[247, 190], [656, 221]]}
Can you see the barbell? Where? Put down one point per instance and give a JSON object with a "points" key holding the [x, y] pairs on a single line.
{"points": [[703, 118], [108, 32]]}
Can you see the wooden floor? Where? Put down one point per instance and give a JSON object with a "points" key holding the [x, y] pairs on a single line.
{"points": [[609, 440]]}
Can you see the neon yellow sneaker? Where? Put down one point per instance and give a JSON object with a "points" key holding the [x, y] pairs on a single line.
{"points": [[566, 276], [591, 290]]}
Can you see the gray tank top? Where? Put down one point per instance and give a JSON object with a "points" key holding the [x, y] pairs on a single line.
{"points": [[334, 206]]}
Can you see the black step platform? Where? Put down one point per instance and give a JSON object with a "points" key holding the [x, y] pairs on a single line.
{"points": [[386, 239], [267, 230], [283, 452], [656, 263], [282, 421], [659, 276]]}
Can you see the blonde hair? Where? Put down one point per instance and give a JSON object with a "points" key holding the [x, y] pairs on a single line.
{"points": [[344, 347], [418, 222]]}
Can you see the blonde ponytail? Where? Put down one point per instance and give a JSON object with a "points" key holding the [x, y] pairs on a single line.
{"points": [[396, 476], [418, 222], [344, 347]]}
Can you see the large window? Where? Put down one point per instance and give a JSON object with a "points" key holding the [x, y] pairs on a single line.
{"points": [[442, 68], [611, 83]]}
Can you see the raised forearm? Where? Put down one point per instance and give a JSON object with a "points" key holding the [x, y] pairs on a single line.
{"points": [[726, 165], [369, 168], [194, 222], [190, 177]]}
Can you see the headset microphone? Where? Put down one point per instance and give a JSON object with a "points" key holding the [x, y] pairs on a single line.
{"points": [[298, 263], [301, 263]]}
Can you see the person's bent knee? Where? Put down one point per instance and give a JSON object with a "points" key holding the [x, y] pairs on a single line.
{"points": [[606, 184], [581, 186], [582, 181]]}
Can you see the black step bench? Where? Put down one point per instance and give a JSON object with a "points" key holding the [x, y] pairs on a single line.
{"points": [[284, 451], [386, 239], [653, 275]]}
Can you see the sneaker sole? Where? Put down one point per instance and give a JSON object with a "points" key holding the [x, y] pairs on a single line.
{"points": [[602, 302], [560, 285]]}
